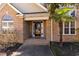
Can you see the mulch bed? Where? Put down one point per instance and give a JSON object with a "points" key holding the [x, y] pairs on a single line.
{"points": [[8, 50], [67, 49]]}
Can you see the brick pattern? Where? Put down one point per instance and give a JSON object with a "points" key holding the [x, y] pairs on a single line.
{"points": [[28, 33], [66, 38], [18, 21], [24, 33], [22, 27]]}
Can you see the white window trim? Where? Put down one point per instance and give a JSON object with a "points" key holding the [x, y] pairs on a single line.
{"points": [[7, 21], [6, 27], [69, 30], [75, 9]]}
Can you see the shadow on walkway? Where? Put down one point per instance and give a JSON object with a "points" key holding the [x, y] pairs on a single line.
{"points": [[40, 50]]}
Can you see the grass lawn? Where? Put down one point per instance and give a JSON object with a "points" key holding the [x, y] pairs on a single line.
{"points": [[68, 49]]}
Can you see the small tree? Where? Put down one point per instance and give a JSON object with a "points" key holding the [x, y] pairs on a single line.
{"points": [[8, 38], [59, 15]]}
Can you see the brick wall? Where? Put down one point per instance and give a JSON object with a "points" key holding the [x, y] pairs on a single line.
{"points": [[66, 38], [18, 20]]}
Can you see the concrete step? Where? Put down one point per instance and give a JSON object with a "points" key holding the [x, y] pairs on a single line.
{"points": [[36, 42]]}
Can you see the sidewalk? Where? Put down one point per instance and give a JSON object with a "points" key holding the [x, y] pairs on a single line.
{"points": [[33, 50]]}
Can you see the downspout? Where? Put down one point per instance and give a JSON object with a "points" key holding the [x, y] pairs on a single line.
{"points": [[51, 31]]}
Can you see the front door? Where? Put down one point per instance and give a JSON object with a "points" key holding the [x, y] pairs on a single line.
{"points": [[37, 29]]}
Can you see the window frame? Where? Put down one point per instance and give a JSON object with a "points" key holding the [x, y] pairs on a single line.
{"points": [[69, 28], [7, 27], [7, 24]]}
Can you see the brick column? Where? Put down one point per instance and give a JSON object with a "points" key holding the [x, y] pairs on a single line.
{"points": [[20, 29]]}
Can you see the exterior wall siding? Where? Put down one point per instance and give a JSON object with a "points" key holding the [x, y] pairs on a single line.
{"points": [[27, 29], [18, 21], [66, 38], [48, 30], [28, 33], [24, 28]]}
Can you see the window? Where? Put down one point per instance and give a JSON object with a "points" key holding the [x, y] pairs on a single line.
{"points": [[69, 27], [7, 23]]}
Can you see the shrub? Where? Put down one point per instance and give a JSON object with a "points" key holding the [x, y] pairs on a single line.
{"points": [[8, 38]]}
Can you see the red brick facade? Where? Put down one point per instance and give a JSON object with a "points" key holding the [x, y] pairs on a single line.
{"points": [[25, 30]]}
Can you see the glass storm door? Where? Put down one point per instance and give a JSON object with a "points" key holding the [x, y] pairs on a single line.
{"points": [[37, 29]]}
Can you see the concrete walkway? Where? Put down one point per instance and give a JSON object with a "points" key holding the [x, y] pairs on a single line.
{"points": [[33, 50]]}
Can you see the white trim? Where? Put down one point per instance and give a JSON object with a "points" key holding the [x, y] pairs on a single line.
{"points": [[14, 8], [3, 4], [69, 34], [75, 9], [42, 7], [42, 29], [36, 18], [69, 29], [51, 31], [33, 30], [7, 26], [7, 21], [63, 28]]}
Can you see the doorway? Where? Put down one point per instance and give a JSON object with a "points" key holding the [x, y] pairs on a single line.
{"points": [[37, 29]]}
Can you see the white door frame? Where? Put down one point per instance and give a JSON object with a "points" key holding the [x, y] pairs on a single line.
{"points": [[33, 30]]}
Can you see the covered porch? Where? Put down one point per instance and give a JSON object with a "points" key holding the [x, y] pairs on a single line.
{"points": [[36, 30]]}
